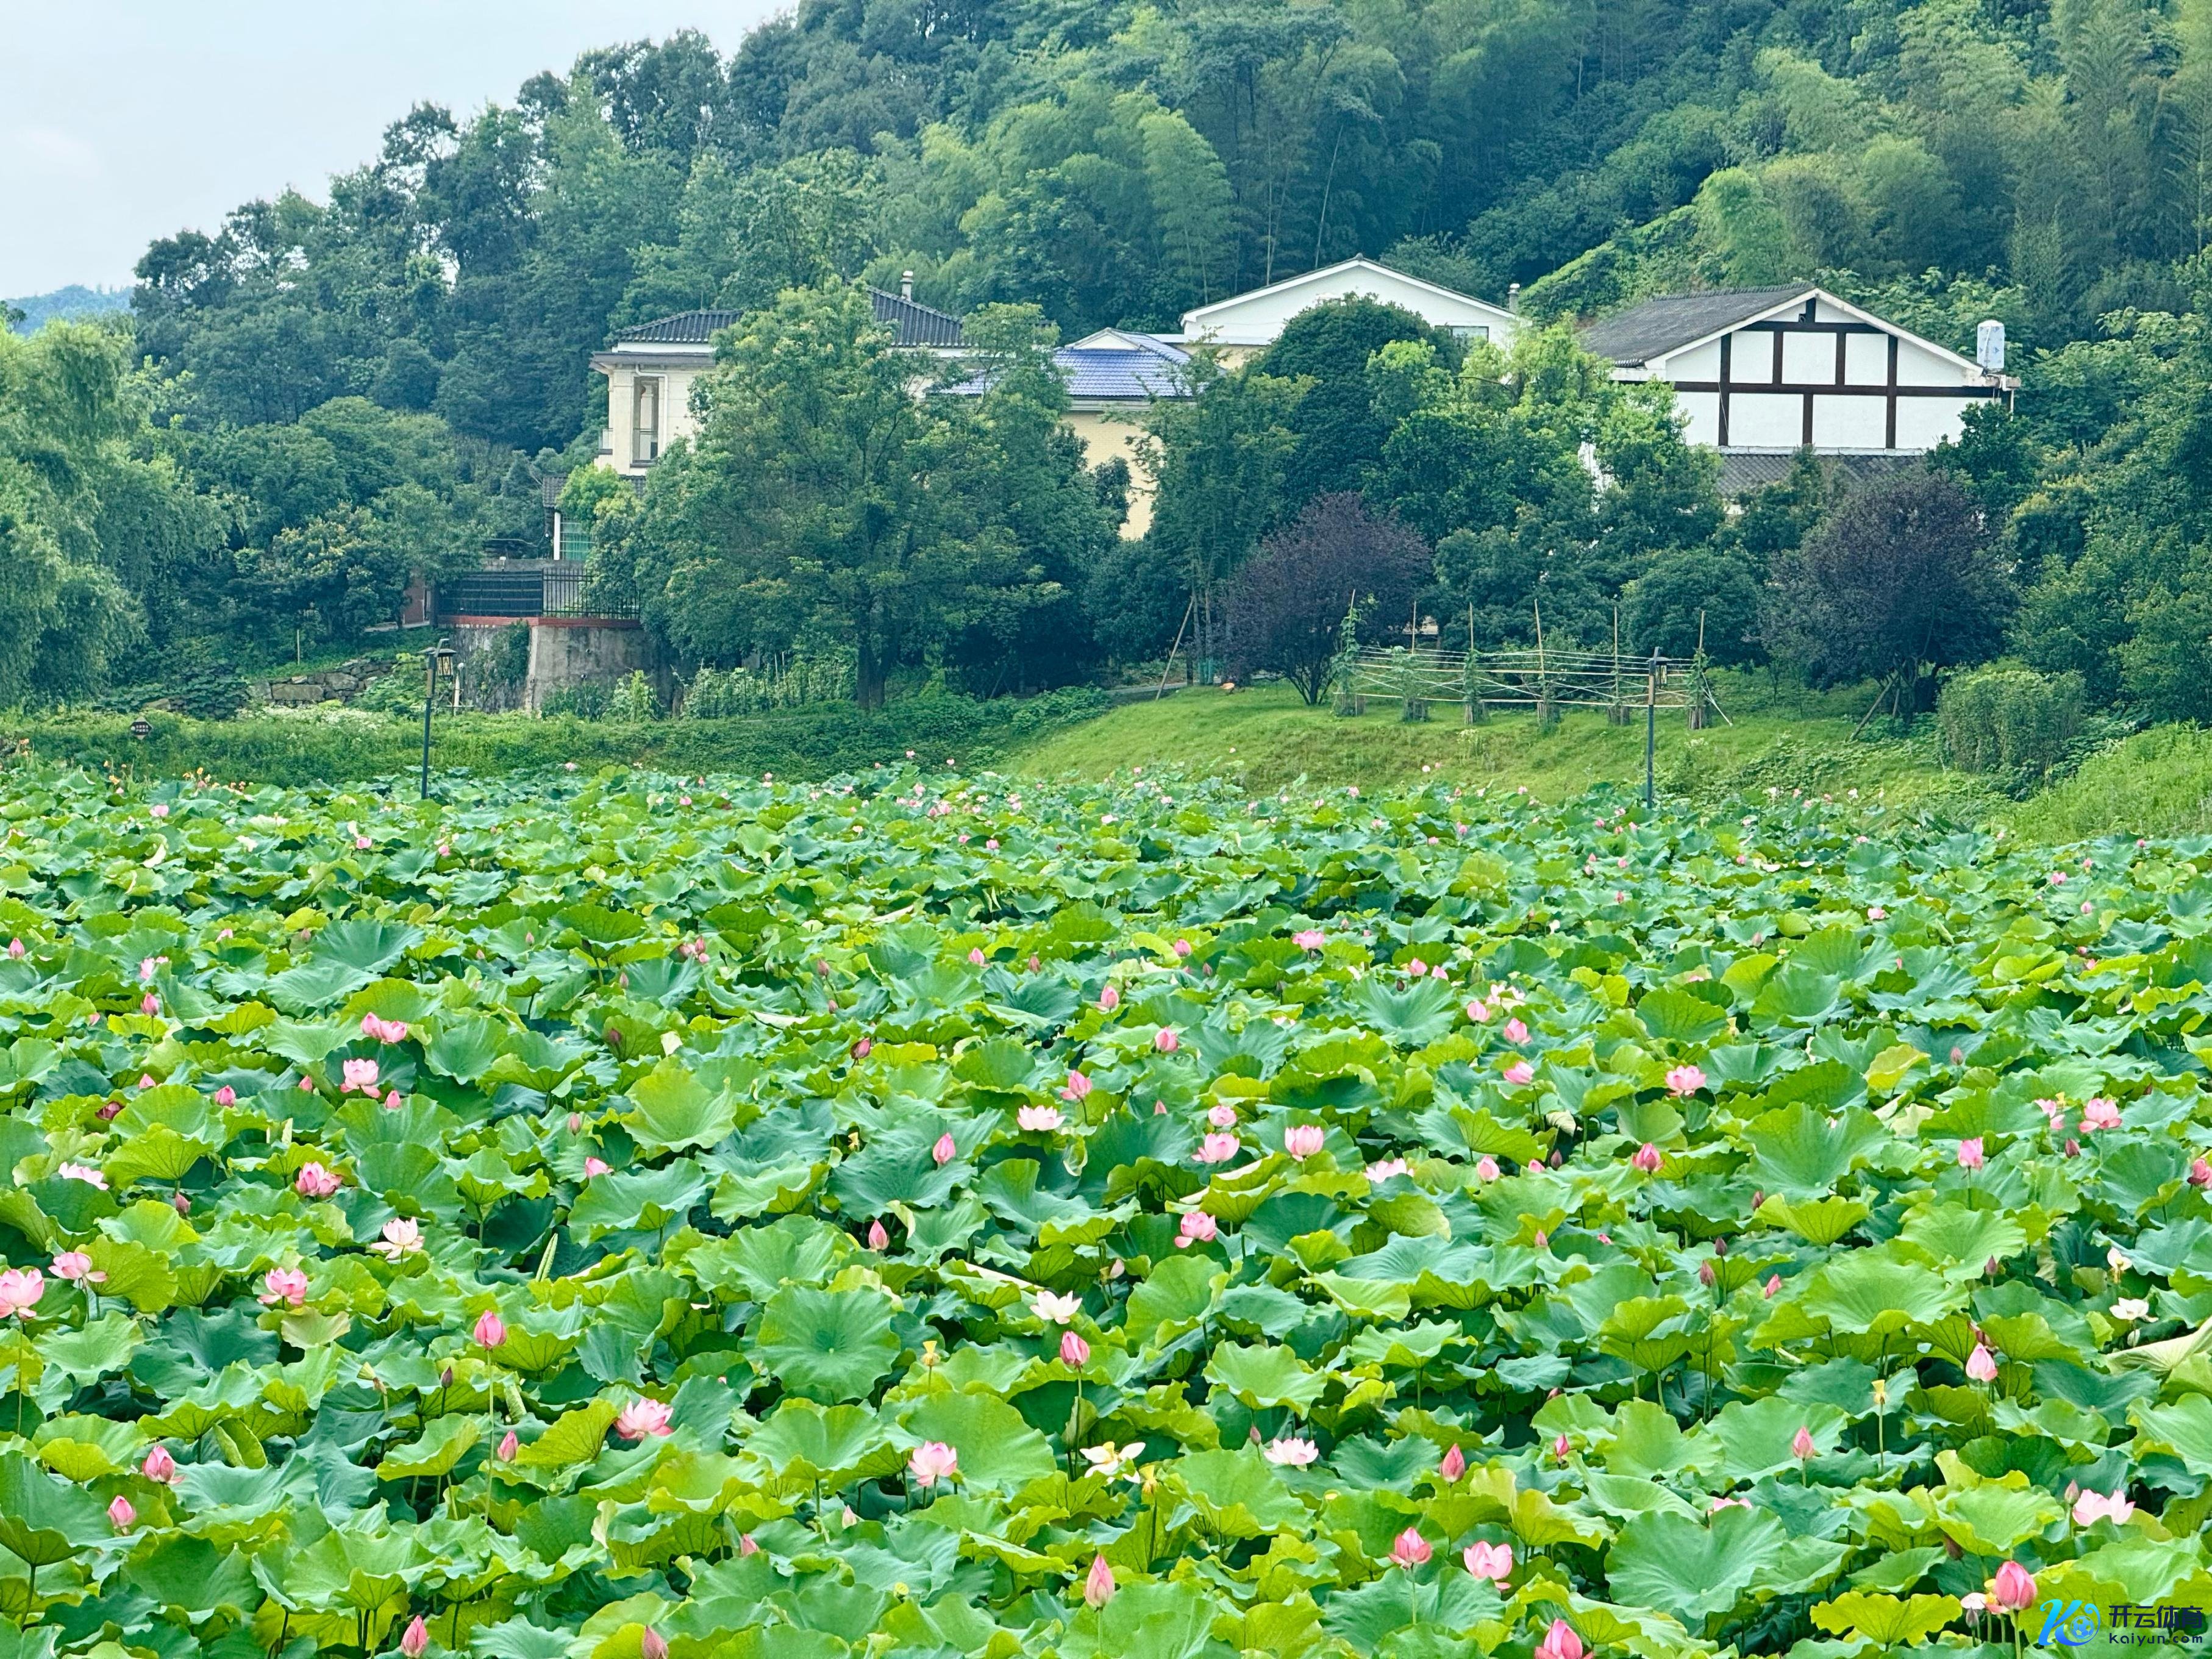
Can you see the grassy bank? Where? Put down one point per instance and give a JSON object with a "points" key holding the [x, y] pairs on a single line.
{"points": [[312, 748], [1784, 740]]}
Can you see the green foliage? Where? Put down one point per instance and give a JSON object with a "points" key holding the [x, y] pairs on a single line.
{"points": [[633, 699], [2010, 720], [833, 1308]]}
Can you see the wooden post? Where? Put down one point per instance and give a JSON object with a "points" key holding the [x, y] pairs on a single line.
{"points": [[1616, 712], [1547, 716]]}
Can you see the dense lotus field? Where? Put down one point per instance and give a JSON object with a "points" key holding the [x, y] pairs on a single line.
{"points": [[623, 1218]]}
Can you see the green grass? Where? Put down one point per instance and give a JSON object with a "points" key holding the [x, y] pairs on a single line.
{"points": [[1785, 740], [2158, 782], [310, 748]]}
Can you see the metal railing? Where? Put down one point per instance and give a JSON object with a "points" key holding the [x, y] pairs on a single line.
{"points": [[547, 589]]}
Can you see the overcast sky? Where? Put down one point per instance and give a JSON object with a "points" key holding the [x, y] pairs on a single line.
{"points": [[123, 120]]}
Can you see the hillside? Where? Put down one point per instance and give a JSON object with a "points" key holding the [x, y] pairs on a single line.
{"points": [[65, 304]]}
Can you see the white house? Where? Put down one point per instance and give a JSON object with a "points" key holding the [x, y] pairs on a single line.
{"points": [[1763, 373], [651, 368], [1242, 327]]}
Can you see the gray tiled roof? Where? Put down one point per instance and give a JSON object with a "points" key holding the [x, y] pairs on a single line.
{"points": [[911, 324], [1658, 326], [1745, 469], [1134, 374]]}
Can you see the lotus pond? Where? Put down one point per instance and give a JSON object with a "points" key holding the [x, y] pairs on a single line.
{"points": [[629, 1218]]}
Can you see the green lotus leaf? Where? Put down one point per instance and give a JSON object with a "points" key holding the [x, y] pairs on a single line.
{"points": [[829, 1346], [1886, 1621], [1690, 1570], [673, 1111], [44, 1520]]}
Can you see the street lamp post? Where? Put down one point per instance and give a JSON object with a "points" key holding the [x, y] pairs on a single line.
{"points": [[431, 659]]}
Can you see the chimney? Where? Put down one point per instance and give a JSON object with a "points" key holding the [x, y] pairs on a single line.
{"points": [[906, 285], [1513, 298]]}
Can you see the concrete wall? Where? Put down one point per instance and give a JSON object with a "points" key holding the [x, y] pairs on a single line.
{"points": [[677, 420], [565, 652]]}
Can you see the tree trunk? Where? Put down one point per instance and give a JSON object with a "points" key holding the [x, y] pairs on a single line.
{"points": [[868, 672]]}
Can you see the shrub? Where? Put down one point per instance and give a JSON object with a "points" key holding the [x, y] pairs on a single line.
{"points": [[633, 699], [2008, 718]]}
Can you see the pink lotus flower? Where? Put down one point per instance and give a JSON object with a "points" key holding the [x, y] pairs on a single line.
{"points": [[225, 1096], [1559, 1642], [1485, 1168], [1685, 1080], [1310, 939], [1386, 1169], [1410, 1550], [1519, 1073], [1198, 1228], [945, 1151], [2091, 1508], [575, 1123], [1040, 1120], [1875, 913], [121, 1514], [384, 1030], [1291, 1451], [1098, 1584], [1416, 969], [1514, 1031], [314, 1181], [932, 1461], [1454, 1464], [1166, 1041], [1109, 998], [1490, 1561], [1222, 1116], [1970, 1153], [159, 1468], [1077, 1087], [2013, 1588], [159, 809], [2098, 1112], [1074, 1351], [415, 1640], [643, 1417], [16, 950], [1801, 1444], [976, 956], [1303, 1141], [20, 1291], [76, 1267], [1773, 1283], [1182, 947], [1982, 1364], [1478, 1011], [508, 1447], [746, 1545], [402, 1237], [1217, 1149], [1560, 1450], [2200, 1173], [83, 1172], [879, 1238], [594, 1165], [286, 1284], [358, 1074], [1647, 1157], [490, 1330]]}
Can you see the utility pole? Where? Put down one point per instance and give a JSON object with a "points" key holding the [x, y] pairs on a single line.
{"points": [[1650, 723]]}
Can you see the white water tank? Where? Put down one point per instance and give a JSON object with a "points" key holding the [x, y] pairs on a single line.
{"points": [[1989, 346]]}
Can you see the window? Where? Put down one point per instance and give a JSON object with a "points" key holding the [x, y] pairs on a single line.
{"points": [[1468, 333], [644, 420]]}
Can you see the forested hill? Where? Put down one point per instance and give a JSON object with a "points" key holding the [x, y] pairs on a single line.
{"points": [[2046, 163]]}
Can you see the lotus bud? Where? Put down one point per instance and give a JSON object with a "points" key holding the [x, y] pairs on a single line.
{"points": [[508, 1446], [880, 1238], [121, 1513], [1773, 1285], [225, 1096], [1981, 1364], [1098, 1585], [1989, 1268], [863, 1048], [446, 1377], [575, 1123], [1720, 1246], [2013, 1588], [1454, 1464], [1410, 1550], [1560, 1642], [1074, 1351], [414, 1641], [2200, 1173], [1560, 1448], [183, 1206], [158, 1466], [2073, 1147], [109, 1112], [1647, 1158], [746, 1546], [653, 1644], [1758, 1197], [1801, 1444], [1109, 998], [1705, 1276], [944, 1151], [491, 1329]]}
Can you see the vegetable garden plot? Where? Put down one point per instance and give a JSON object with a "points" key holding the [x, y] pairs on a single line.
{"points": [[923, 1215]]}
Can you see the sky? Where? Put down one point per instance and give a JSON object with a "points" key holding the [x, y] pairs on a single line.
{"points": [[124, 120]]}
